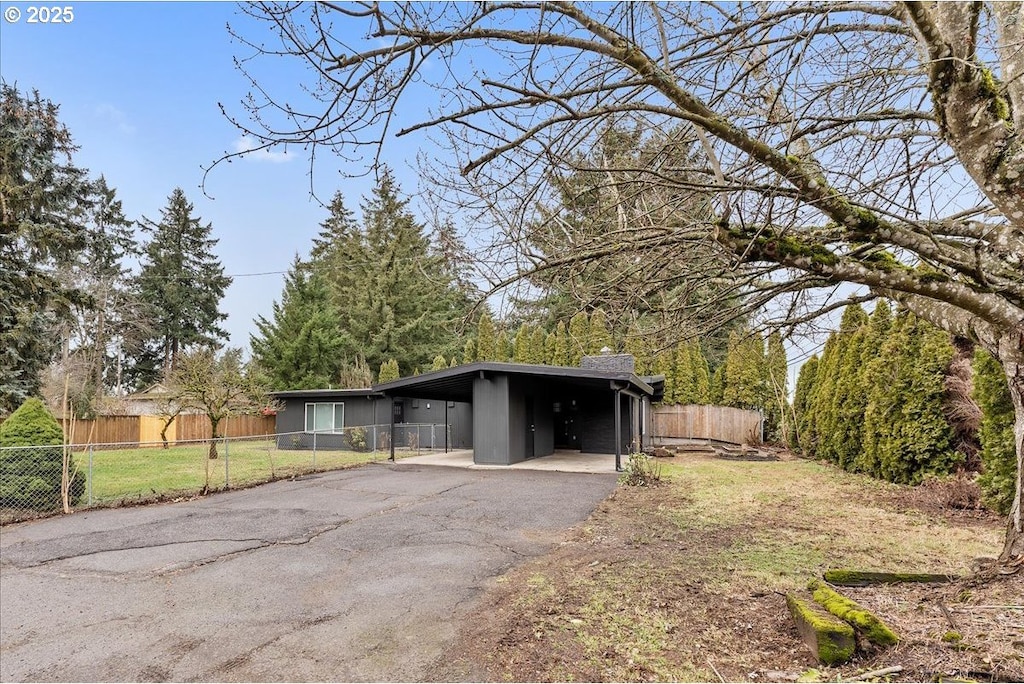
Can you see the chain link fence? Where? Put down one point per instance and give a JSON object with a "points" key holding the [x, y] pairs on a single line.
{"points": [[34, 481]]}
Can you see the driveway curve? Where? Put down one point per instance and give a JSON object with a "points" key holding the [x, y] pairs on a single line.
{"points": [[354, 575]]}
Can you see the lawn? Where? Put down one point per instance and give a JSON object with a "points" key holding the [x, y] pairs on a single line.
{"points": [[134, 474], [686, 582]]}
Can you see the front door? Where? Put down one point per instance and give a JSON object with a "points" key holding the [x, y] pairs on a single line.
{"points": [[566, 436], [531, 428]]}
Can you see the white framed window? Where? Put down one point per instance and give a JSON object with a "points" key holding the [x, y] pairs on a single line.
{"points": [[325, 416]]}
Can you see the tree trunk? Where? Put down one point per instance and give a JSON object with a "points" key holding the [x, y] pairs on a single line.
{"points": [[1013, 551], [163, 432], [214, 422]]}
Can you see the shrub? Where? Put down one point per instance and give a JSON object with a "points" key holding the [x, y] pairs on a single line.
{"points": [[641, 471], [356, 438], [998, 459], [30, 478]]}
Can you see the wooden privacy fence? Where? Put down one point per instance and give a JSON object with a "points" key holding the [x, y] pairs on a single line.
{"points": [[720, 423], [143, 429], [194, 426], [105, 430]]}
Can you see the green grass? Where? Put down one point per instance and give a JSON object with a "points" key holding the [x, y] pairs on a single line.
{"points": [[127, 474], [671, 582]]}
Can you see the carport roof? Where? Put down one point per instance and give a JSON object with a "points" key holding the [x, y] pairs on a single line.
{"points": [[456, 384]]}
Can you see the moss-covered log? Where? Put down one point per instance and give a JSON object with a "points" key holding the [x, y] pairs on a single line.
{"points": [[831, 640], [863, 620], [865, 578]]}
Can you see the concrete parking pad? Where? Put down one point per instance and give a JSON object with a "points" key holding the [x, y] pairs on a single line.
{"points": [[563, 461], [352, 575]]}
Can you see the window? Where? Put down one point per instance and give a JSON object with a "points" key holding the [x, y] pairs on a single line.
{"points": [[325, 417]]}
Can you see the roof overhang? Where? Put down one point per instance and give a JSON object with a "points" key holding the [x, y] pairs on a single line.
{"points": [[327, 393], [456, 384]]}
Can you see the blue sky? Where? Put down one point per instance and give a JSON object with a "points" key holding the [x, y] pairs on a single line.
{"points": [[138, 86]]}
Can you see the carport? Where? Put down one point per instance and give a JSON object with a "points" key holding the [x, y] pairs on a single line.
{"points": [[524, 411]]}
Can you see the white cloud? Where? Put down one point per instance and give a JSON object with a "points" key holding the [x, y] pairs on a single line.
{"points": [[107, 111], [248, 148]]}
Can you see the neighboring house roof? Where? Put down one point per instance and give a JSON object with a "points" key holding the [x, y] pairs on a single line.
{"points": [[457, 383]]}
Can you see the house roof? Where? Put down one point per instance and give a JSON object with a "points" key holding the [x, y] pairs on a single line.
{"points": [[456, 384], [327, 393]]}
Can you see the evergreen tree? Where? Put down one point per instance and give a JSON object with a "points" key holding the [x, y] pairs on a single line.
{"points": [[776, 383], [716, 388], [469, 350], [43, 195], [744, 374], [664, 365], [440, 363], [802, 429], [503, 346], [486, 339], [636, 343], [998, 459], [341, 256], [180, 285], [550, 347], [302, 346], [521, 346], [819, 400], [107, 313], [876, 334], [577, 338], [560, 356], [701, 376], [845, 414], [355, 374], [389, 371], [32, 478], [538, 343], [598, 335], [402, 308], [683, 375], [906, 435]]}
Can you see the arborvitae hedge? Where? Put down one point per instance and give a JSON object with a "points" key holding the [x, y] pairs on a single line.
{"points": [[30, 478], [998, 460], [873, 403]]}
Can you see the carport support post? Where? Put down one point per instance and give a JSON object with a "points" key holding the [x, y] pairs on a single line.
{"points": [[392, 440], [446, 426], [618, 430], [227, 469]]}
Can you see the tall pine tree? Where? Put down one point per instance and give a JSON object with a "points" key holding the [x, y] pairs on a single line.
{"points": [[43, 194], [302, 346], [180, 285]]}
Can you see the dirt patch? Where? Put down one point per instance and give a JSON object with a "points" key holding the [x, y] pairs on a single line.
{"points": [[686, 582]]}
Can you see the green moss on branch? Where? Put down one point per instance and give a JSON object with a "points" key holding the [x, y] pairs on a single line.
{"points": [[863, 620]]}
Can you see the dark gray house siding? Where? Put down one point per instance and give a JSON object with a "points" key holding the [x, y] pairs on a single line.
{"points": [[366, 409], [522, 411]]}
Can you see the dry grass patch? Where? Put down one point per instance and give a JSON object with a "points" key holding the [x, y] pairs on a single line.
{"points": [[684, 582]]}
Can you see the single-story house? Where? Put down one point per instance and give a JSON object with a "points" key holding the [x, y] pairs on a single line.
{"points": [[506, 412], [329, 418]]}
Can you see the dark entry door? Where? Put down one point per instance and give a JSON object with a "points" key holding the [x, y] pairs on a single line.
{"points": [[399, 412], [566, 436], [531, 428]]}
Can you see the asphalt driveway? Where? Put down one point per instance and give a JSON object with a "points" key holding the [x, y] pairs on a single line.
{"points": [[352, 575]]}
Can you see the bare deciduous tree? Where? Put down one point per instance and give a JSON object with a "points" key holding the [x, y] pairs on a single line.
{"points": [[217, 384], [867, 143]]}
